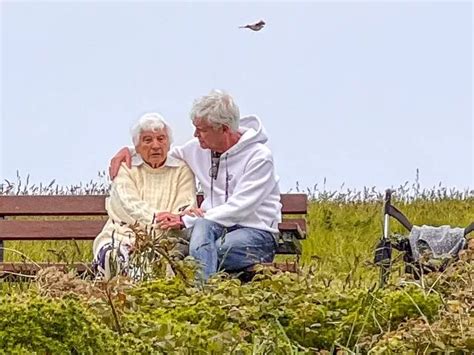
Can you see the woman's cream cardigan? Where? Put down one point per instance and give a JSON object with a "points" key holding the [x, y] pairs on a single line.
{"points": [[140, 192]]}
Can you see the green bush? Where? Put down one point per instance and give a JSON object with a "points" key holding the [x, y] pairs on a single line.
{"points": [[31, 323]]}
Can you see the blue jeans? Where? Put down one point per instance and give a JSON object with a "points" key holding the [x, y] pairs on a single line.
{"points": [[217, 248]]}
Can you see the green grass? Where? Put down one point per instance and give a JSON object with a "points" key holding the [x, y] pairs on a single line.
{"points": [[51, 251], [340, 241], [342, 236]]}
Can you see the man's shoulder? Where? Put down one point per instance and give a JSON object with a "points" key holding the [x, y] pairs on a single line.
{"points": [[260, 151], [191, 147], [125, 169], [125, 173]]}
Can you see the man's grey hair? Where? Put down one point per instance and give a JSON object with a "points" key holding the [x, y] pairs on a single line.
{"points": [[218, 108], [150, 122]]}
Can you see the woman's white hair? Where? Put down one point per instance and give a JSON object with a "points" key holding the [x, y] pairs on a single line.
{"points": [[218, 108], [150, 122]]}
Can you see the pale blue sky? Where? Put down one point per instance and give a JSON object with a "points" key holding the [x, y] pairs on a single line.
{"points": [[362, 93]]}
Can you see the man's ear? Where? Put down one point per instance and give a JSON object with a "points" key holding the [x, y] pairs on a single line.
{"points": [[225, 128]]}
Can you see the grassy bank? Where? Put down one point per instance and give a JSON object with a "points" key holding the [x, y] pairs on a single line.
{"points": [[334, 304]]}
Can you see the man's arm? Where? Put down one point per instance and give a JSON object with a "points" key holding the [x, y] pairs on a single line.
{"points": [[124, 155]]}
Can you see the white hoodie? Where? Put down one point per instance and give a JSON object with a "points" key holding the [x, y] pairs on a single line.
{"points": [[252, 185]]}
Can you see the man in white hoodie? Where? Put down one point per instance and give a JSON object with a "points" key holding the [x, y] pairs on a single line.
{"points": [[237, 223]]}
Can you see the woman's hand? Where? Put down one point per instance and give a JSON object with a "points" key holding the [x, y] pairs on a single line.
{"points": [[167, 220]]}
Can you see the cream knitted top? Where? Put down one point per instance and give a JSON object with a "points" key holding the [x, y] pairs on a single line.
{"points": [[138, 193]]}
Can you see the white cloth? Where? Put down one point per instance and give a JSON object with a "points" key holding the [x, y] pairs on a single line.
{"points": [[442, 241]]}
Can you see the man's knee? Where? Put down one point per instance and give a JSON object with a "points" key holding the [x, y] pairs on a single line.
{"points": [[203, 233], [202, 224], [245, 247], [200, 231]]}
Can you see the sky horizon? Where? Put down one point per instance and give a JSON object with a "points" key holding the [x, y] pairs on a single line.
{"points": [[354, 93]]}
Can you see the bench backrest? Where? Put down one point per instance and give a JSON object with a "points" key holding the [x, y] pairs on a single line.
{"points": [[92, 205]]}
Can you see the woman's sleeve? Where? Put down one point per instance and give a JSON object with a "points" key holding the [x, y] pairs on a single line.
{"points": [[186, 191]]}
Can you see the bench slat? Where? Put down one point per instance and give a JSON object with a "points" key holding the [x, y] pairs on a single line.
{"points": [[291, 203], [297, 225], [88, 230], [49, 230], [95, 205], [291, 230], [294, 203], [52, 205]]}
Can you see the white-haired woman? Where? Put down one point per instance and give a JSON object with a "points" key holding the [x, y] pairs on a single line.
{"points": [[157, 185]]}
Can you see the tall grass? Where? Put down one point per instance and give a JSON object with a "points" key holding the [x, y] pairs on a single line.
{"points": [[343, 225], [22, 186], [342, 236]]}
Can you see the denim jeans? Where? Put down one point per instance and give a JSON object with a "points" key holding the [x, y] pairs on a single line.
{"points": [[217, 248]]}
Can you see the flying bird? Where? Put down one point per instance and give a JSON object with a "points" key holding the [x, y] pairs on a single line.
{"points": [[257, 26]]}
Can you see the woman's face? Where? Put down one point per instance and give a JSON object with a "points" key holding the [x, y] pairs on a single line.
{"points": [[153, 146]]}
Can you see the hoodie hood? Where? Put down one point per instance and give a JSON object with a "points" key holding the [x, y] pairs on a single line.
{"points": [[252, 132]]}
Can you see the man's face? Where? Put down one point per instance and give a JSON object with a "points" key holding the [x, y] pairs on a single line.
{"points": [[209, 137], [153, 147]]}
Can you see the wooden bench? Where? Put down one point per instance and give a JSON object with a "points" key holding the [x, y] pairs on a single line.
{"points": [[292, 230]]}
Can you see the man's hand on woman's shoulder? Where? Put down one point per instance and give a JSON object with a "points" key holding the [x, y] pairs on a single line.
{"points": [[123, 155]]}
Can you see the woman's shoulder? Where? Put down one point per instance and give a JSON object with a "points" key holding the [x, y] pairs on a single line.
{"points": [[125, 171], [183, 167]]}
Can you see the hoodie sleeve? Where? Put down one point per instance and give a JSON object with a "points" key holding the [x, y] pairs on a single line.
{"points": [[254, 186]]}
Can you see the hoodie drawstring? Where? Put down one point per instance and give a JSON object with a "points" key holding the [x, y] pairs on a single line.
{"points": [[226, 179], [213, 172]]}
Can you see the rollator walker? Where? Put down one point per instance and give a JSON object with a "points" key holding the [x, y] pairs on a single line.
{"points": [[414, 266]]}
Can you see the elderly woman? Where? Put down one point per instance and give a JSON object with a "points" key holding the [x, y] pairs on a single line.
{"points": [[156, 186]]}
